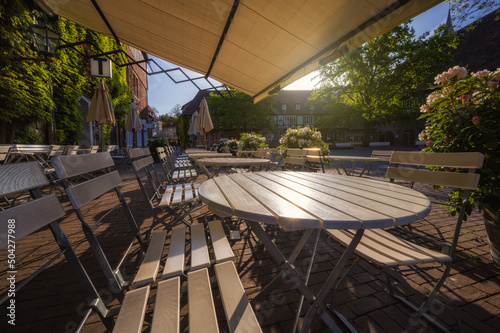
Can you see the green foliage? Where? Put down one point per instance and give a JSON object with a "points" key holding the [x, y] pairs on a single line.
{"points": [[302, 137], [33, 86], [237, 112], [462, 115], [373, 79], [182, 128], [154, 143]]}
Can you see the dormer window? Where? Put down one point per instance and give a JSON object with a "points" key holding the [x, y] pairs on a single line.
{"points": [[283, 106], [297, 106]]}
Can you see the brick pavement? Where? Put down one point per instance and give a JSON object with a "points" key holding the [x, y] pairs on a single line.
{"points": [[53, 302]]}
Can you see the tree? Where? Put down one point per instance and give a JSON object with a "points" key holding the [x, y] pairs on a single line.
{"points": [[462, 10], [236, 113], [373, 79], [176, 111]]}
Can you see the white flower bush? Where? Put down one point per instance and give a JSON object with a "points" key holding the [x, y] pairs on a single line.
{"points": [[302, 137]]}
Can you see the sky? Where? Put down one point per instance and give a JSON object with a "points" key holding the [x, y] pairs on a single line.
{"points": [[164, 94]]}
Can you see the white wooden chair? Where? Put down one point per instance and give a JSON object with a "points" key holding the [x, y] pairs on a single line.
{"points": [[295, 159], [177, 199], [174, 175], [389, 252], [26, 218], [135, 294]]}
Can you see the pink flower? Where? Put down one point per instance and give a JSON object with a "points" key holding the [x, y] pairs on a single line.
{"points": [[465, 98], [446, 138], [429, 143], [493, 85], [476, 120]]}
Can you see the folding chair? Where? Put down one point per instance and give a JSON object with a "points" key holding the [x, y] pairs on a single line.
{"points": [[83, 193], [28, 217], [135, 294], [389, 252], [297, 159], [315, 159], [178, 199], [172, 174], [71, 150]]}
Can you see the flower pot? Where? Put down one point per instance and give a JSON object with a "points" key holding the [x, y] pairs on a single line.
{"points": [[492, 225]]}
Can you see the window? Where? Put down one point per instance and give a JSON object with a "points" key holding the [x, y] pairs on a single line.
{"points": [[135, 86], [283, 106], [308, 120], [410, 102], [214, 137], [297, 106], [293, 120]]}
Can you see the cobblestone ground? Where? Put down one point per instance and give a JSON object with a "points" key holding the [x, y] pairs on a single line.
{"points": [[54, 301]]}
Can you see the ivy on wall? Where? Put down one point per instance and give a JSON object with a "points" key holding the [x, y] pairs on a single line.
{"points": [[35, 89]]}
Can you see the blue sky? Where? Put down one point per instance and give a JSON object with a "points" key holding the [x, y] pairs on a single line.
{"points": [[164, 94]]}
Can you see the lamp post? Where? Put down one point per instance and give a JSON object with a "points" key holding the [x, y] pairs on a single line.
{"points": [[46, 40]]}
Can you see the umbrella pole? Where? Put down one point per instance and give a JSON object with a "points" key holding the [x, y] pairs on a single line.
{"points": [[204, 141]]}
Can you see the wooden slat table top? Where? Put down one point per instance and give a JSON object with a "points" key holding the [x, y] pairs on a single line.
{"points": [[210, 155], [351, 158], [235, 162], [299, 200]]}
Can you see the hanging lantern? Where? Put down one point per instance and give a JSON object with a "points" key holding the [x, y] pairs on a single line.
{"points": [[46, 40]]}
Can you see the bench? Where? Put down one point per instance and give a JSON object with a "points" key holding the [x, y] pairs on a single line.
{"points": [[379, 144], [135, 294]]}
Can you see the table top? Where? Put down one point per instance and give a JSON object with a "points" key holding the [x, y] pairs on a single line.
{"points": [[351, 158], [300, 200], [237, 161], [208, 155]]}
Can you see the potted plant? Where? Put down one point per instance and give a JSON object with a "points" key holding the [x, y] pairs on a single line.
{"points": [[302, 137], [251, 141], [226, 146], [462, 115]]}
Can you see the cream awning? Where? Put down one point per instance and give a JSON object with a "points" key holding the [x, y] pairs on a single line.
{"points": [[251, 45]]}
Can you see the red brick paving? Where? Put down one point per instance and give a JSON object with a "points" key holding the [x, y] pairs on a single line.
{"points": [[53, 302]]}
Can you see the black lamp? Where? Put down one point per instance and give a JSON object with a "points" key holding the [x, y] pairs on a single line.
{"points": [[46, 40]]}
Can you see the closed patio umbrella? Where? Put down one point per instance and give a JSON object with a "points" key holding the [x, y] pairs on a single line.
{"points": [[133, 123], [100, 109], [205, 124]]}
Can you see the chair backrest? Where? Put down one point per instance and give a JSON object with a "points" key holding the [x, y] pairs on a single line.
{"points": [[56, 150], [262, 153], [111, 148], [4, 153], [471, 161], [148, 179], [315, 155], [71, 150], [295, 157], [27, 217], [134, 153], [446, 169], [382, 155], [94, 149], [88, 192]]}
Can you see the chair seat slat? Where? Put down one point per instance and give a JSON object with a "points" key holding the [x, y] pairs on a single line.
{"points": [[199, 250], [174, 265], [151, 263], [130, 319], [202, 316]]}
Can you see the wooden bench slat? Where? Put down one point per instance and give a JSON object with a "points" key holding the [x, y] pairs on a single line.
{"points": [[151, 263], [199, 250], [175, 259], [167, 307], [132, 311], [222, 249], [202, 317], [239, 313]]}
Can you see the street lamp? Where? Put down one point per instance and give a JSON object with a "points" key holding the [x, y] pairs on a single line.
{"points": [[46, 40]]}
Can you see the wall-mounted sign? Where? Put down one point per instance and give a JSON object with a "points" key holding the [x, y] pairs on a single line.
{"points": [[100, 66]]}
